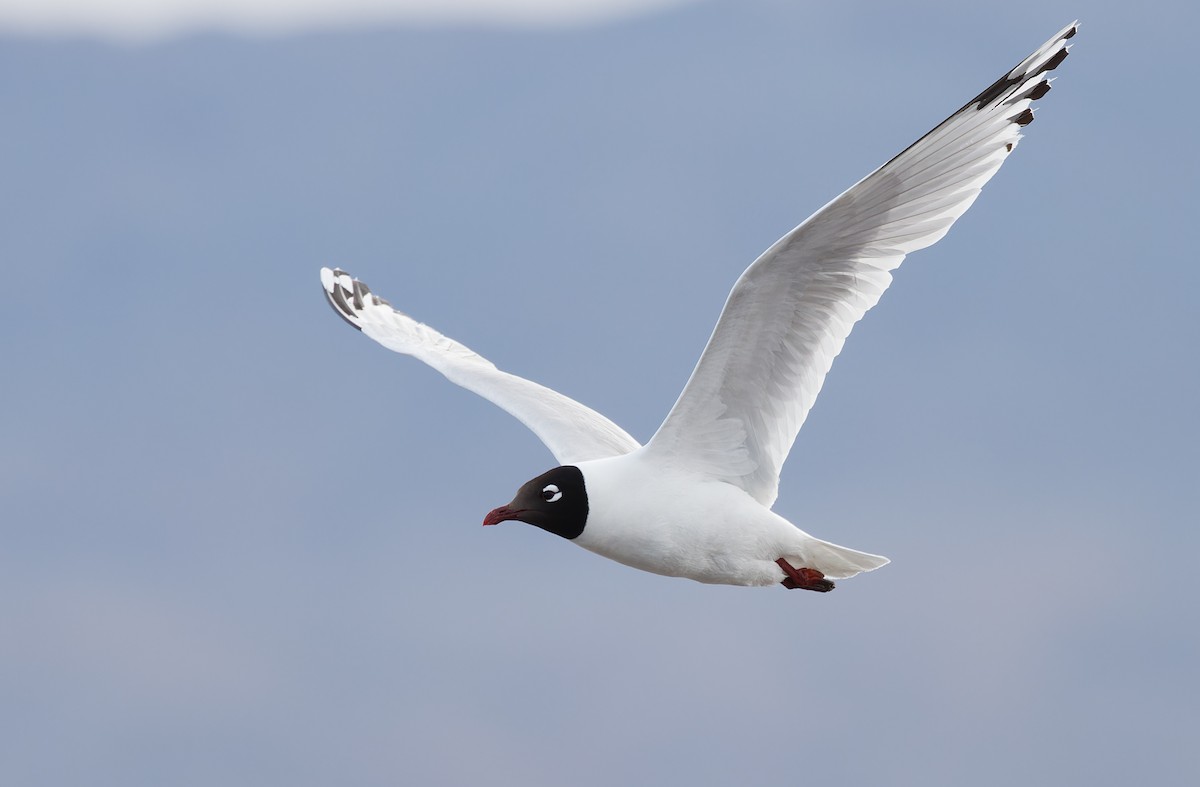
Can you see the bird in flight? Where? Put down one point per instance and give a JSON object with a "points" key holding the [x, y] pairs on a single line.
{"points": [[695, 501]]}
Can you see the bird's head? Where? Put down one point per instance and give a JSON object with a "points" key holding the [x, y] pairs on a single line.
{"points": [[555, 501]]}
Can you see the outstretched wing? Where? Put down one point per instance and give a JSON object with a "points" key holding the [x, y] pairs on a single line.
{"points": [[572, 432], [790, 312]]}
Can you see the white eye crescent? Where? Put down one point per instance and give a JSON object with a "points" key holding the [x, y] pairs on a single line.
{"points": [[551, 493]]}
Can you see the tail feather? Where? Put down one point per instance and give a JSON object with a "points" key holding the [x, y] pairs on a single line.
{"points": [[838, 562]]}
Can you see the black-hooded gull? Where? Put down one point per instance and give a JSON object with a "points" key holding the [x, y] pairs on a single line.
{"points": [[696, 500]]}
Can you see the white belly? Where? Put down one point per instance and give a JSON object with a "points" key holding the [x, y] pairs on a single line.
{"points": [[678, 526]]}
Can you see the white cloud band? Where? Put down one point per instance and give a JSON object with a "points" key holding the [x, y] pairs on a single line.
{"points": [[154, 19]]}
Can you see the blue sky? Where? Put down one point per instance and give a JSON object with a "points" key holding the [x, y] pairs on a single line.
{"points": [[242, 542]]}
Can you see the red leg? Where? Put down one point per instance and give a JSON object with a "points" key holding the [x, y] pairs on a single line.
{"points": [[803, 578]]}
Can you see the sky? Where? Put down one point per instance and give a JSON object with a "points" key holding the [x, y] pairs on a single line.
{"points": [[241, 543]]}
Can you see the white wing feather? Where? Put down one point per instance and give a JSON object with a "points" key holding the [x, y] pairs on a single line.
{"points": [[790, 312], [573, 433]]}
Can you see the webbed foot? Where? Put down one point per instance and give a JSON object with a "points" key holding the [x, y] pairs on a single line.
{"points": [[803, 578]]}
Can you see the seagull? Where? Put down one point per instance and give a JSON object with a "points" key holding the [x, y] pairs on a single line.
{"points": [[695, 501]]}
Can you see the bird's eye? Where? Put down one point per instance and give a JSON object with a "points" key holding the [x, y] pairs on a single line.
{"points": [[551, 494]]}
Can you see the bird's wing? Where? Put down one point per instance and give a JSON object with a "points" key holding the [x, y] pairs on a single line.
{"points": [[790, 312], [572, 432]]}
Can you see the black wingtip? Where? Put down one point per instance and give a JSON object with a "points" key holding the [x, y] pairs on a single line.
{"points": [[335, 295], [1004, 90], [349, 302], [1055, 61], [1039, 90], [1019, 75]]}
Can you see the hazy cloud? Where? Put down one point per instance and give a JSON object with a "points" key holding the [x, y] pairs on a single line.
{"points": [[150, 19]]}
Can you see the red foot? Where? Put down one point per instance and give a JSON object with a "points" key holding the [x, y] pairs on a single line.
{"points": [[803, 578]]}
